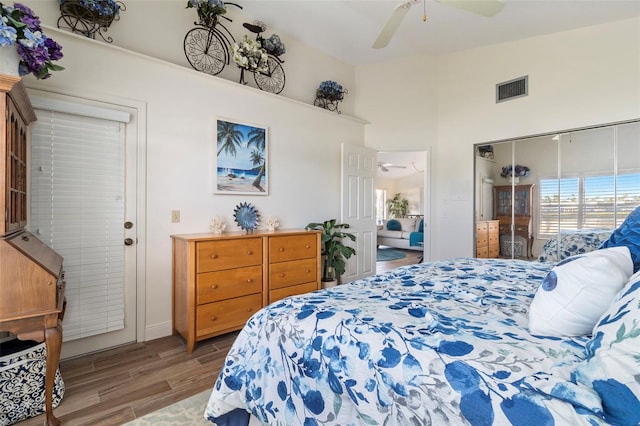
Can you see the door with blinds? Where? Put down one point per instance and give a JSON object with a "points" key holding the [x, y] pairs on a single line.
{"points": [[83, 204]]}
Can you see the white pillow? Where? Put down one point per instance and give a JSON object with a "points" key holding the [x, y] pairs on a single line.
{"points": [[577, 291]]}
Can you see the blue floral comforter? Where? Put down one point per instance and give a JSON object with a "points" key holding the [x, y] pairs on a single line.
{"points": [[429, 344]]}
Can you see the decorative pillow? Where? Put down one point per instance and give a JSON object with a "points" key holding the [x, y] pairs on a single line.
{"points": [[628, 234], [421, 225], [612, 364], [577, 291], [393, 225], [571, 243]]}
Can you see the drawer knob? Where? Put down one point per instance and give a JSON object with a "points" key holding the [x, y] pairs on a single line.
{"points": [[307, 271], [307, 246], [213, 318], [214, 256], [249, 252], [250, 280], [281, 249], [281, 275], [214, 286], [248, 309]]}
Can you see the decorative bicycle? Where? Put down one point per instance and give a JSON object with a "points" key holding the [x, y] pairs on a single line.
{"points": [[273, 78], [206, 46]]}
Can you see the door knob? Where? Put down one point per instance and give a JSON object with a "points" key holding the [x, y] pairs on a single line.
{"points": [[128, 241]]}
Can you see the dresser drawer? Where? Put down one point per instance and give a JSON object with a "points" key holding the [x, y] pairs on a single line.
{"points": [[481, 241], [290, 273], [227, 254], [220, 285], [292, 247], [281, 293], [482, 252], [494, 239], [228, 315], [493, 226], [481, 227], [494, 250]]}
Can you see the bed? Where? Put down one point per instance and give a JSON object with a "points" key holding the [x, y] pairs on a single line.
{"points": [[446, 342]]}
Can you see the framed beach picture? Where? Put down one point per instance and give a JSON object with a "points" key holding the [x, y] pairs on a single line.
{"points": [[241, 159]]}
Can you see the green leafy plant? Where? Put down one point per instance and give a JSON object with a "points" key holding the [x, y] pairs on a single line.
{"points": [[334, 252], [398, 206]]}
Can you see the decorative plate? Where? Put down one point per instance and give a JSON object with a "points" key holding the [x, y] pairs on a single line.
{"points": [[246, 216]]}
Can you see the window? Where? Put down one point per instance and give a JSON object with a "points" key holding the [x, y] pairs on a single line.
{"points": [[587, 202], [381, 202]]}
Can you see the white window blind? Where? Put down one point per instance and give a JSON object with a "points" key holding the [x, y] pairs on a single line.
{"points": [[77, 208], [587, 202]]}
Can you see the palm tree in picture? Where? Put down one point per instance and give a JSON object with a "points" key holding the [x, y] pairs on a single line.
{"points": [[257, 138], [257, 159], [229, 138]]}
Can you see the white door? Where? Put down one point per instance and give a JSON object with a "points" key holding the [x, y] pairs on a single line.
{"points": [[358, 208], [83, 182]]}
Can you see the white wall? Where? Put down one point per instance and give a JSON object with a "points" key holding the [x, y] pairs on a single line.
{"points": [[576, 78], [157, 28], [182, 105]]}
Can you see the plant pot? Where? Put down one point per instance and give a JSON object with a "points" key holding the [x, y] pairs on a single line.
{"points": [[329, 284]]}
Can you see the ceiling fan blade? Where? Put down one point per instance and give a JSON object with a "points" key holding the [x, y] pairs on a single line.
{"points": [[486, 8], [392, 25]]}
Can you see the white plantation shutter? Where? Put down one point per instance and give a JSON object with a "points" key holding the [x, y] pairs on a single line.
{"points": [[77, 208]]}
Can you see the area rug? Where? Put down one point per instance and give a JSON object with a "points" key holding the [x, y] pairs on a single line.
{"points": [[385, 254], [189, 411]]}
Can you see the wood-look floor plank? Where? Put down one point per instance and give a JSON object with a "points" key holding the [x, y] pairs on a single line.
{"points": [[116, 386]]}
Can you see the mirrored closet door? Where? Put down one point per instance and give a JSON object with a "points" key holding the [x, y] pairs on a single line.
{"points": [[536, 196]]}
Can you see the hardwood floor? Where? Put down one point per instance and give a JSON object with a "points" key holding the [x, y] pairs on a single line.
{"points": [[411, 258], [119, 385]]}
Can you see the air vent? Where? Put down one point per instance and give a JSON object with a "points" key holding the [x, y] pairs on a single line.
{"points": [[512, 89]]}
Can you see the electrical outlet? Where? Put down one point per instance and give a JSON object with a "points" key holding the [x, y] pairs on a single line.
{"points": [[175, 216]]}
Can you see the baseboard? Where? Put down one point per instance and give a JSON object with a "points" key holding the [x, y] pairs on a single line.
{"points": [[157, 331]]}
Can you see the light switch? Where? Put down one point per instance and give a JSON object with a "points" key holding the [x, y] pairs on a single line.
{"points": [[175, 216]]}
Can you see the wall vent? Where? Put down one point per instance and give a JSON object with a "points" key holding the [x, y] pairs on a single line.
{"points": [[512, 89]]}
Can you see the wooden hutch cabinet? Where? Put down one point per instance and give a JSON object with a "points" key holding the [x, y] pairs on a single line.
{"points": [[220, 280], [519, 199], [31, 278]]}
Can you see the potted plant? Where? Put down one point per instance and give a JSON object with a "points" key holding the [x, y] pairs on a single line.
{"points": [[33, 51], [328, 94], [334, 252], [89, 17], [398, 206], [208, 11]]}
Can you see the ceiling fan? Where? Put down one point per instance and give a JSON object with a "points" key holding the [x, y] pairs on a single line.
{"points": [[386, 166], [486, 8]]}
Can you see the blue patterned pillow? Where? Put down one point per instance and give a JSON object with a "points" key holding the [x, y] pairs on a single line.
{"points": [[421, 225], [394, 225], [628, 234], [612, 363]]}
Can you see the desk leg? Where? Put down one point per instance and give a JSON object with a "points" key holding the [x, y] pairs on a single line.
{"points": [[53, 339]]}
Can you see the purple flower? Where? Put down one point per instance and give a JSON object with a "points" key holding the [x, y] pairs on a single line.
{"points": [[35, 49]]}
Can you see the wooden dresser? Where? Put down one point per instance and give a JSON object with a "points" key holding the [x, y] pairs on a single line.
{"points": [[488, 238], [31, 278], [220, 280]]}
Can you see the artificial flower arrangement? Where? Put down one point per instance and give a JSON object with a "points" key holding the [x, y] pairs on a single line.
{"points": [[250, 55], [19, 26], [331, 91], [105, 9], [517, 171], [208, 10], [218, 225], [273, 45]]}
